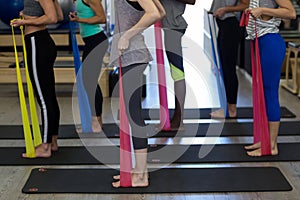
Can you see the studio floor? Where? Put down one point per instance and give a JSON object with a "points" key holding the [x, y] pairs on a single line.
{"points": [[201, 93]]}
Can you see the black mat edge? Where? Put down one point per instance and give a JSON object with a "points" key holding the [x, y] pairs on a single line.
{"points": [[237, 179], [204, 113], [178, 154], [237, 129]]}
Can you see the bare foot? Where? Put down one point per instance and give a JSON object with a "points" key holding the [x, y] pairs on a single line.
{"points": [[257, 152], [96, 127], [78, 130], [41, 151], [253, 146], [99, 118], [232, 110], [117, 177], [137, 180], [54, 146], [218, 114]]}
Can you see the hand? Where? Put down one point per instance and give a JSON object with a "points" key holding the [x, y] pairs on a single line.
{"points": [[123, 44], [73, 17], [21, 14], [17, 22], [220, 12], [256, 12]]}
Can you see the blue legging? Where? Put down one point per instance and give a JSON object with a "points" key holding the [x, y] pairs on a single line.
{"points": [[272, 52]]}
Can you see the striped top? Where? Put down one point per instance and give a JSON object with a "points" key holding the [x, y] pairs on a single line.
{"points": [[262, 27]]}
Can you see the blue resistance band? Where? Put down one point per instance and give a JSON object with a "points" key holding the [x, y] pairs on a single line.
{"points": [[83, 101], [217, 66]]}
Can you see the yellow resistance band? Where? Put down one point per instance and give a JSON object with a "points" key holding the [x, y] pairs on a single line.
{"points": [[30, 150]]}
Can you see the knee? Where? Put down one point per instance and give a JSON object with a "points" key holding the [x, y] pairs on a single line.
{"points": [[176, 73], [139, 143], [274, 115]]}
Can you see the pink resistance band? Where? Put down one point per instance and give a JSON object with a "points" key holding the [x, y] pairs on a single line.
{"points": [[163, 99], [125, 145], [260, 120]]}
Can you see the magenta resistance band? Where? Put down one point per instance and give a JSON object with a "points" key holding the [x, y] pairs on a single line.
{"points": [[163, 99], [125, 145], [260, 120]]}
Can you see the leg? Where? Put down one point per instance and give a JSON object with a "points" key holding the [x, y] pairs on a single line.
{"points": [[180, 91], [274, 129], [41, 57], [98, 104], [95, 48], [228, 41], [174, 54], [97, 119], [255, 149], [41, 151], [272, 52], [139, 175], [133, 96], [54, 145]]}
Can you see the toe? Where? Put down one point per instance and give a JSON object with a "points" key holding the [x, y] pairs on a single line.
{"points": [[116, 184], [117, 177]]}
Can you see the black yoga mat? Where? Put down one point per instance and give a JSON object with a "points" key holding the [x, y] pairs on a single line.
{"points": [[171, 180], [204, 113], [66, 131], [191, 130], [227, 129], [221, 153], [223, 129]]}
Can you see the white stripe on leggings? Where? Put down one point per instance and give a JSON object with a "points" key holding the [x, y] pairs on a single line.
{"points": [[36, 80]]}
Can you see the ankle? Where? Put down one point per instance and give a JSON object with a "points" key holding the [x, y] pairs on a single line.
{"points": [[99, 118], [44, 147], [232, 110], [54, 140], [274, 147], [140, 176]]}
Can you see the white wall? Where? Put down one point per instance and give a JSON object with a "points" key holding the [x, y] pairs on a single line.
{"points": [[194, 17]]}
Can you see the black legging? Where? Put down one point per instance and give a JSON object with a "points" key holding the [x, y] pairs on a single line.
{"points": [[41, 54], [132, 90], [228, 40], [91, 74]]}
